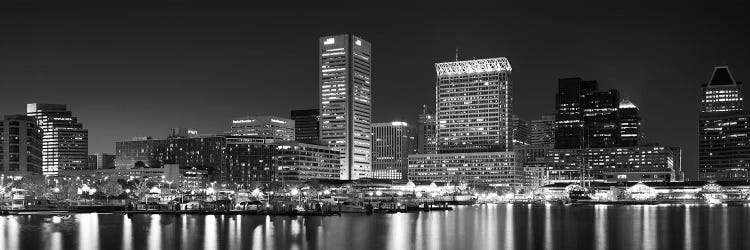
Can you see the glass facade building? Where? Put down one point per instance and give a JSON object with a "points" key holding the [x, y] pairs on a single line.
{"points": [[306, 125], [346, 101], [392, 144], [64, 140], [543, 130]]}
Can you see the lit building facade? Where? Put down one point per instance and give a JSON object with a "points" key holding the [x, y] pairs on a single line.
{"points": [[202, 152], [64, 140], [346, 101], [473, 106], [631, 131], [168, 175], [724, 130], [497, 169], [426, 133], [306, 125], [392, 144], [615, 164], [569, 107], [601, 127], [20, 146], [543, 130], [264, 127]]}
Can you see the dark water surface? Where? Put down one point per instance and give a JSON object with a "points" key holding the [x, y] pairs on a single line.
{"points": [[467, 227]]}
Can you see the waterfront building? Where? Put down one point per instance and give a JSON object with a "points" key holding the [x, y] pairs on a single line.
{"points": [[724, 130], [474, 106], [631, 131], [203, 152], [306, 125], [647, 163], [101, 161], [346, 102], [20, 146], [542, 130], [520, 131], [263, 127], [426, 133], [167, 175], [392, 144], [497, 169], [64, 140], [298, 162]]}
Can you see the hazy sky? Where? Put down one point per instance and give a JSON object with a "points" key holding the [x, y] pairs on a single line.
{"points": [[137, 69]]}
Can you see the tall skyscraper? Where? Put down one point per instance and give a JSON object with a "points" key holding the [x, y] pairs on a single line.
{"points": [[601, 128], [473, 106], [724, 130], [543, 130], [306, 125], [64, 141], [263, 127], [569, 107], [721, 93], [20, 146], [631, 131], [345, 101], [392, 144], [426, 133]]}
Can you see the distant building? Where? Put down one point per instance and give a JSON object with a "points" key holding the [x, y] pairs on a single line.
{"points": [[183, 133], [64, 141], [543, 130], [498, 169], [346, 101], [569, 106], [20, 146], [724, 130], [306, 125], [263, 127], [616, 164], [101, 161], [392, 144], [474, 106], [203, 152], [426, 133], [631, 131], [520, 131]]}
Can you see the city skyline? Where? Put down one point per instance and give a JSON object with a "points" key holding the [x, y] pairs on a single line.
{"points": [[48, 70]]}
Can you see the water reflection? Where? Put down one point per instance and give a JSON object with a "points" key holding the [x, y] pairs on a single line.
{"points": [[473, 227]]}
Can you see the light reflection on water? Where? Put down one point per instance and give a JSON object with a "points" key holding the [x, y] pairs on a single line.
{"points": [[467, 227]]}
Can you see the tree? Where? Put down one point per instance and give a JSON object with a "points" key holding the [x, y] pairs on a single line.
{"points": [[141, 189], [111, 188]]}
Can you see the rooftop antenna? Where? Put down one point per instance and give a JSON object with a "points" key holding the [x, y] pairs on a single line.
{"points": [[456, 54]]}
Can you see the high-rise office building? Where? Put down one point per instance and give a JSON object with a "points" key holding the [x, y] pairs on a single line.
{"points": [[306, 125], [64, 141], [473, 106], [345, 101], [426, 133], [20, 146], [392, 144], [520, 131], [724, 130], [631, 131], [721, 93], [601, 128], [586, 117], [101, 161], [263, 127], [543, 130]]}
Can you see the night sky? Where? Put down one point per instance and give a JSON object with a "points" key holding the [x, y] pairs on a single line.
{"points": [[138, 69]]}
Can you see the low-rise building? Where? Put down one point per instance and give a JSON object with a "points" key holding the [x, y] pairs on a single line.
{"points": [[498, 169]]}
